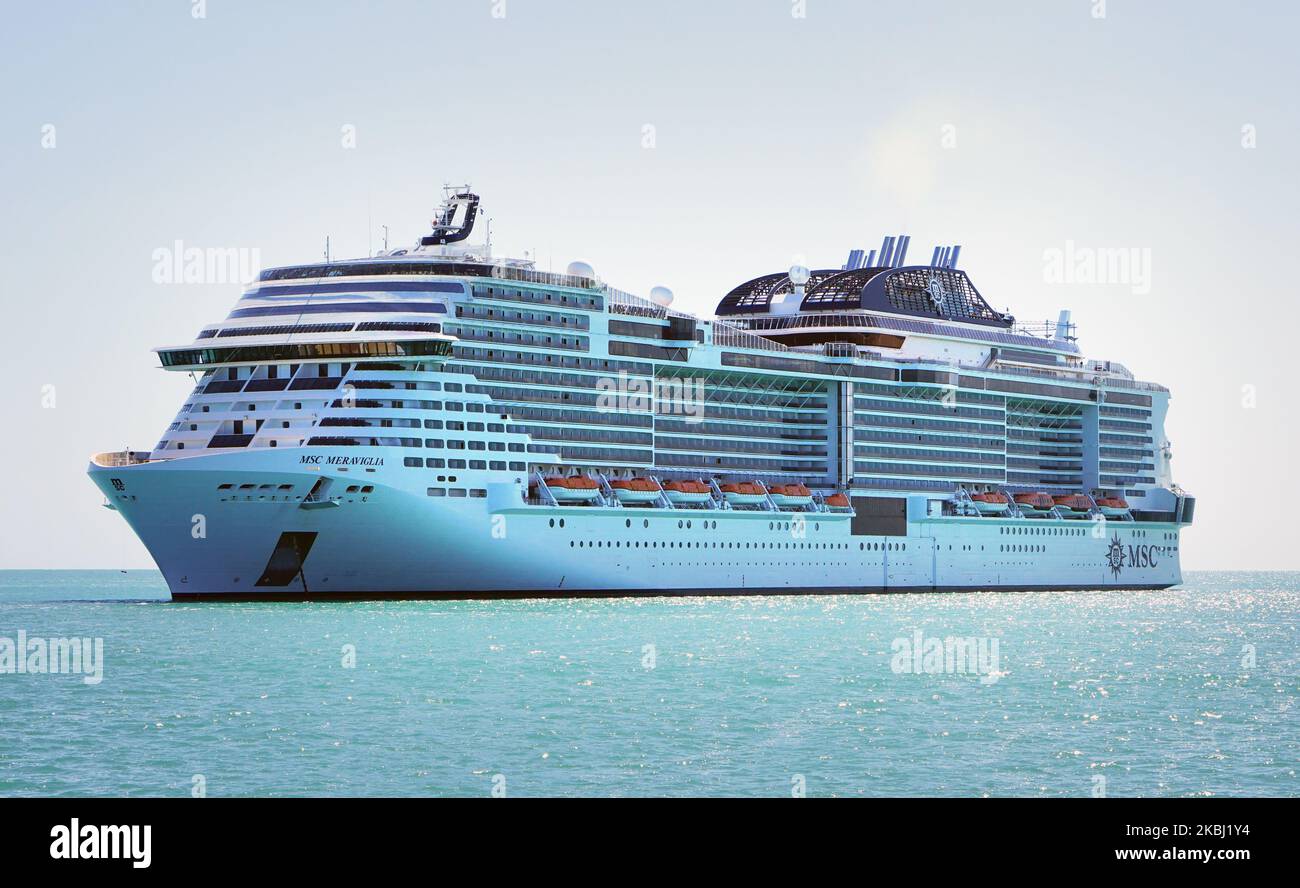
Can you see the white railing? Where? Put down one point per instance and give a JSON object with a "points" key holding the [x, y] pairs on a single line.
{"points": [[120, 459], [733, 337]]}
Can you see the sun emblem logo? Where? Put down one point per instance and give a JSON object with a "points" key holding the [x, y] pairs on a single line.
{"points": [[937, 293], [1115, 556]]}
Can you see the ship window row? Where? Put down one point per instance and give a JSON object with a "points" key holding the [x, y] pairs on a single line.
{"points": [[802, 365], [1122, 480], [581, 417], [298, 329], [584, 399], [1039, 424], [511, 294], [746, 430], [970, 457], [716, 402], [456, 491], [1107, 410], [1047, 530], [803, 401], [1116, 467], [1054, 466], [520, 316], [775, 465], [392, 385], [910, 393], [1114, 397], [434, 462], [570, 362], [642, 350], [877, 483], [394, 404], [597, 454], [925, 408], [590, 436], [722, 544], [996, 444], [1043, 479], [885, 421], [1120, 425], [285, 329], [352, 441], [1054, 392], [1045, 436], [518, 337], [461, 444], [927, 470], [358, 422], [636, 328], [1126, 452], [303, 350], [1045, 450], [450, 406], [738, 446]]}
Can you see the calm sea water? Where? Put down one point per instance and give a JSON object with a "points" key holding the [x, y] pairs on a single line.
{"points": [[1191, 691]]}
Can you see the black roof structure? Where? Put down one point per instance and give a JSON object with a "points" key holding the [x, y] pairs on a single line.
{"points": [[925, 291], [756, 296]]}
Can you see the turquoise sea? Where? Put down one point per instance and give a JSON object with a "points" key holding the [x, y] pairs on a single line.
{"points": [[1186, 692]]}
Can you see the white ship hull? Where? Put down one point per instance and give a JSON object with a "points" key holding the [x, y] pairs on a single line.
{"points": [[398, 542]]}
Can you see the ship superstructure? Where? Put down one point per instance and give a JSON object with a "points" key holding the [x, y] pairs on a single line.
{"points": [[439, 422]]}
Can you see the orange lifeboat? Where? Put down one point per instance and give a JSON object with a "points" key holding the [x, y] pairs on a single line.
{"points": [[1074, 502], [1034, 502], [990, 503], [744, 493], [574, 489], [687, 492], [790, 496], [1113, 506], [635, 490], [838, 502]]}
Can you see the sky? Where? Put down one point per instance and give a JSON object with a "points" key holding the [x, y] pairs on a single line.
{"points": [[686, 144]]}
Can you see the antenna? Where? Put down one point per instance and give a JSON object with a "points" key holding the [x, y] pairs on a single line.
{"points": [[385, 227], [327, 248]]}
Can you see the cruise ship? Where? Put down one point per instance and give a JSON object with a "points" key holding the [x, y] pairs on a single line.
{"points": [[438, 422]]}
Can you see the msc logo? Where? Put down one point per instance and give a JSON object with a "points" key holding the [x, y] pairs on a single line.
{"points": [[1118, 556]]}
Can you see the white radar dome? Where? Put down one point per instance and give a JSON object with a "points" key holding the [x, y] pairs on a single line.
{"points": [[661, 296], [581, 269], [799, 275]]}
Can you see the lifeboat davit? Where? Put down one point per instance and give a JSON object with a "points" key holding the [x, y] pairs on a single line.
{"points": [[575, 489], [1074, 504], [790, 496], [687, 492], [990, 503], [839, 502], [744, 493], [1036, 503], [1113, 506], [635, 490]]}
